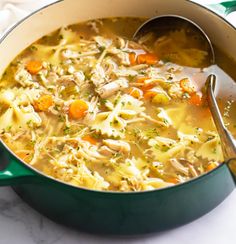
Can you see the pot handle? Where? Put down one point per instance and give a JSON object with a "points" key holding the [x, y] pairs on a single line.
{"points": [[15, 172], [223, 8]]}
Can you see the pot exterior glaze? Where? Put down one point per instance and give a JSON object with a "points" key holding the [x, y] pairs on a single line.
{"points": [[112, 212], [134, 213]]}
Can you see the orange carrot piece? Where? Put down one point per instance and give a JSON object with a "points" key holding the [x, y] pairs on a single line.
{"points": [[141, 59], [78, 109], [147, 58], [43, 103], [23, 155], [145, 87], [150, 94], [196, 99], [132, 58], [211, 166], [90, 139], [142, 79], [173, 180], [135, 92], [34, 67], [187, 86]]}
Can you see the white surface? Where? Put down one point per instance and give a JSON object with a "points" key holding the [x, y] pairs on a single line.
{"points": [[21, 224]]}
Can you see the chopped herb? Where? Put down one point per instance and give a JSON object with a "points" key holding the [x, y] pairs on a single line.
{"points": [[67, 130], [165, 121], [115, 121], [87, 94], [210, 138], [29, 123], [131, 78], [33, 48], [50, 89], [157, 146], [32, 142], [8, 128], [136, 132], [165, 148], [61, 118], [152, 132], [116, 101], [128, 163], [101, 48], [103, 101], [95, 136], [56, 107], [117, 155], [50, 67]]}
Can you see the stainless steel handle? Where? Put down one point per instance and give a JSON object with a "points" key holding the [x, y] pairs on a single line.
{"points": [[227, 140]]}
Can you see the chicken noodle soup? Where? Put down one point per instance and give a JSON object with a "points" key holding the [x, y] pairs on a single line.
{"points": [[90, 107]]}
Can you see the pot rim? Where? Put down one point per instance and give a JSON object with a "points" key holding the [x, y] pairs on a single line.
{"points": [[183, 184]]}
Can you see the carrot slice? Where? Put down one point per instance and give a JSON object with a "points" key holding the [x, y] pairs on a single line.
{"points": [[132, 58], [90, 139], [34, 67], [43, 103], [211, 166], [147, 58], [145, 87], [78, 109], [173, 180], [196, 99], [23, 155], [136, 92], [142, 79], [150, 94], [187, 86]]}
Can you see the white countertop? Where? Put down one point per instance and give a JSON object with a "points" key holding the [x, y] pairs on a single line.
{"points": [[19, 224]]}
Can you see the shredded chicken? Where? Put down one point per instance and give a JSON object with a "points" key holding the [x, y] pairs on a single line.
{"points": [[112, 87], [117, 145]]}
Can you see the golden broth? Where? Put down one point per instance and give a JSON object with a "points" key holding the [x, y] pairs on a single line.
{"points": [[90, 107]]}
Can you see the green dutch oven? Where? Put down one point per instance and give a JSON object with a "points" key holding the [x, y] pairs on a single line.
{"points": [[116, 212]]}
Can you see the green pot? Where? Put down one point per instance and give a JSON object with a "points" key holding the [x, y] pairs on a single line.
{"points": [[113, 212]]}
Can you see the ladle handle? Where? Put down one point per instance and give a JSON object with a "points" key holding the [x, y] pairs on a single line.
{"points": [[227, 141]]}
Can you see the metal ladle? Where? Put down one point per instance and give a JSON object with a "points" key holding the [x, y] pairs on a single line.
{"points": [[166, 23], [227, 141]]}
